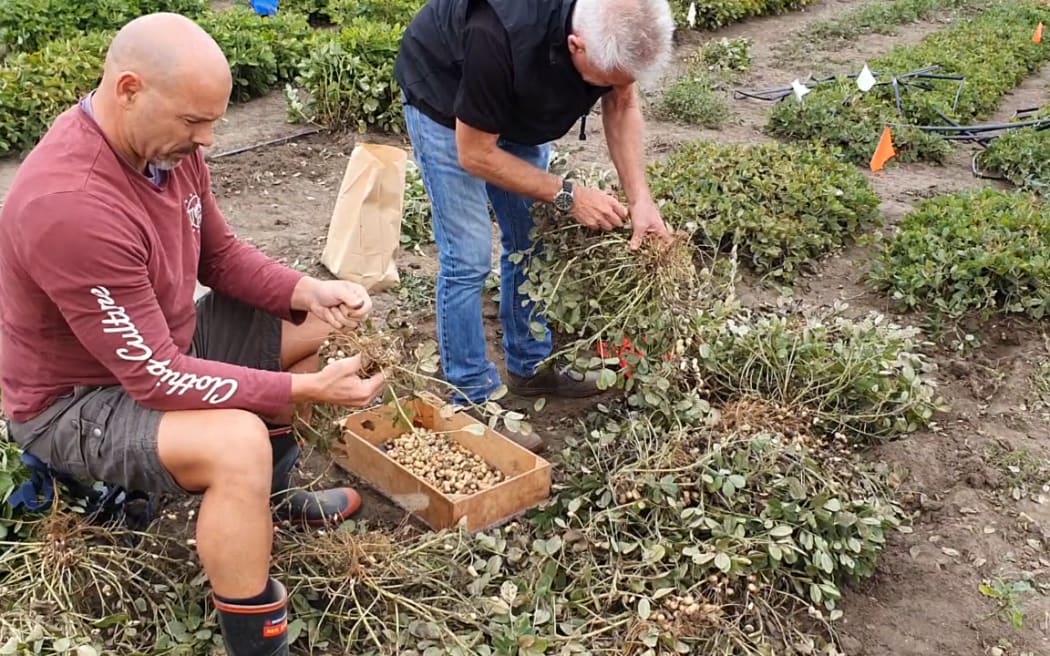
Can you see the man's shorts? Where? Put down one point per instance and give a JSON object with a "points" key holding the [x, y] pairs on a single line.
{"points": [[102, 434]]}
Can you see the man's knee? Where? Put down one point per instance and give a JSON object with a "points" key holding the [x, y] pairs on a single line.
{"points": [[469, 261], [209, 448]]}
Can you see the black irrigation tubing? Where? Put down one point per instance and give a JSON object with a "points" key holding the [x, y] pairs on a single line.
{"points": [[969, 134], [271, 142], [1037, 124], [926, 73], [977, 173], [1027, 111], [780, 92]]}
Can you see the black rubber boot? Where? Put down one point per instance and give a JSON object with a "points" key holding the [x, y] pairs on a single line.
{"points": [[312, 508], [260, 630]]}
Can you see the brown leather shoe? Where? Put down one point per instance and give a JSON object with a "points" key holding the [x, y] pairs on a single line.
{"points": [[565, 383], [530, 441]]}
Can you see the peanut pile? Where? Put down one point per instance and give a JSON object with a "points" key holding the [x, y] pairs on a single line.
{"points": [[442, 462]]}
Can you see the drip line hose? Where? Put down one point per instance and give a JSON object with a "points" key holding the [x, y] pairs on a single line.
{"points": [[968, 133], [919, 79], [977, 173], [974, 130], [905, 79], [270, 142], [1026, 112]]}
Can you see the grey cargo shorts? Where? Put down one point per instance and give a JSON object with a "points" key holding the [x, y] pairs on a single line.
{"points": [[102, 434]]}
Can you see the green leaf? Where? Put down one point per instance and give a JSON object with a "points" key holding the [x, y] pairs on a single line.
{"points": [[723, 562], [295, 629]]}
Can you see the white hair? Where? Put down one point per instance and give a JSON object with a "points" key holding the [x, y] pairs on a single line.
{"points": [[631, 36]]}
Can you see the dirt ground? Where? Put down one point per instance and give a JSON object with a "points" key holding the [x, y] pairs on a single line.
{"points": [[926, 599]]}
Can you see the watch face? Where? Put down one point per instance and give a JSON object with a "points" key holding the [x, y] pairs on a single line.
{"points": [[563, 201]]}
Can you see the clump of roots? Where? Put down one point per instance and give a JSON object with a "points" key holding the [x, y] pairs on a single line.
{"points": [[71, 565], [380, 350], [751, 413], [350, 554], [671, 261]]}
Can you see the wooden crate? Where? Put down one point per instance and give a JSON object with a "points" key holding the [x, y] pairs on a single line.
{"points": [[527, 476]]}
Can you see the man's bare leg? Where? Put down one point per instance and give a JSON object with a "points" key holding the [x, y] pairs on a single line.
{"points": [[225, 454]]}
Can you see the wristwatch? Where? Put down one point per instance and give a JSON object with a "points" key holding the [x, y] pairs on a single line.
{"points": [[564, 200]]}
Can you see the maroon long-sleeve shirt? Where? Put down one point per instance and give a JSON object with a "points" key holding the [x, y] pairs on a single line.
{"points": [[98, 267]]}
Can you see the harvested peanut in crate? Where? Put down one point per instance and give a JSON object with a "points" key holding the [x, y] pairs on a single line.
{"points": [[442, 462]]}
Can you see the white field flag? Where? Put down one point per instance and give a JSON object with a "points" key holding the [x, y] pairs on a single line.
{"points": [[691, 15], [865, 81], [799, 89]]}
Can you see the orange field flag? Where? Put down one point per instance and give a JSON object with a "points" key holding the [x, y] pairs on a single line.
{"points": [[884, 152], [1038, 36]]}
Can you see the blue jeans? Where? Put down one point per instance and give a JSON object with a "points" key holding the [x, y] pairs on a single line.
{"points": [[463, 231]]}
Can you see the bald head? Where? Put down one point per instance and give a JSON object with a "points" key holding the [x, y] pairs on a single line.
{"points": [[165, 84], [165, 47]]}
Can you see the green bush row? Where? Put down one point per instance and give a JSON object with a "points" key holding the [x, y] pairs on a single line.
{"points": [[348, 79], [346, 75], [27, 25], [883, 17], [973, 252], [783, 206], [35, 87], [341, 12], [712, 14], [263, 52], [994, 52]]}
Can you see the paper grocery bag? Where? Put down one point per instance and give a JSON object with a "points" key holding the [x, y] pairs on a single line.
{"points": [[365, 231]]}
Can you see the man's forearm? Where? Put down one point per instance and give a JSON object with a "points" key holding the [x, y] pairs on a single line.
{"points": [[305, 388], [498, 167], [302, 293], [624, 126]]}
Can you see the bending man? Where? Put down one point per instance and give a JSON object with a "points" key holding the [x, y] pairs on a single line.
{"points": [[488, 84], [109, 369]]}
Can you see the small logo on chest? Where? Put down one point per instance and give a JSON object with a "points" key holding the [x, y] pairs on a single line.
{"points": [[194, 210]]}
